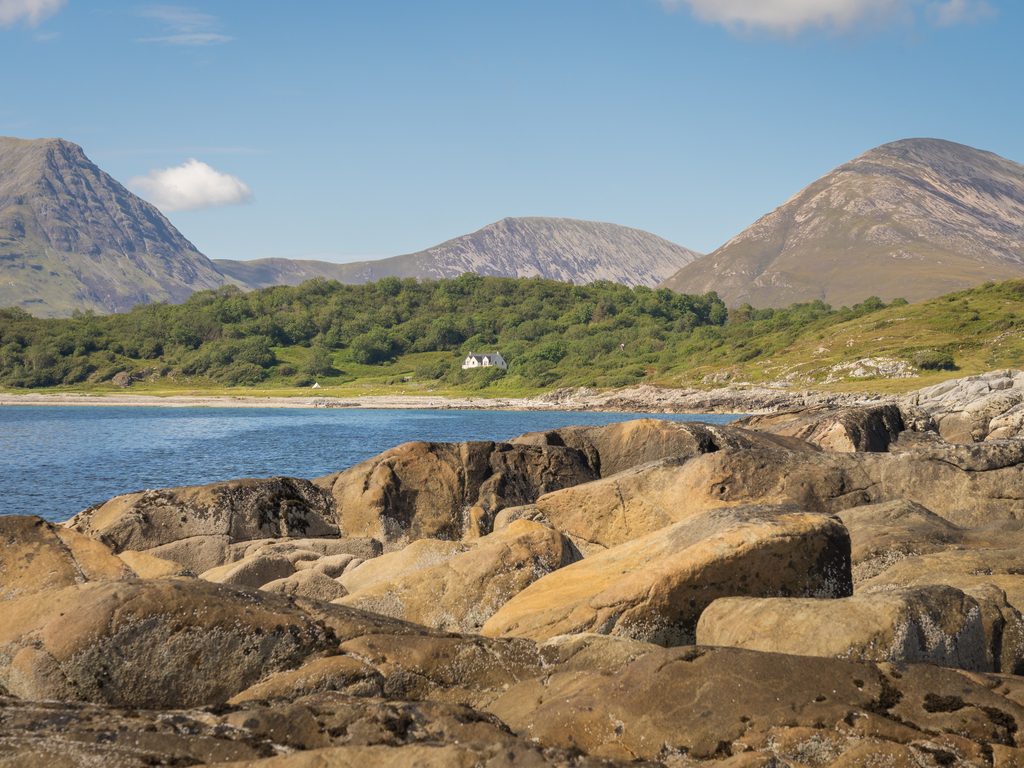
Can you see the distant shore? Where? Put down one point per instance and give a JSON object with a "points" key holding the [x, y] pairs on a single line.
{"points": [[642, 399]]}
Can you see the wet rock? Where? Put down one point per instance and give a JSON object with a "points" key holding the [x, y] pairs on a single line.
{"points": [[654, 588], [930, 624]]}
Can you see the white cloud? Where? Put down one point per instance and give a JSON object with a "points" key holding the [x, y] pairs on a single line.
{"points": [[957, 11], [190, 27], [790, 17], [32, 11], [190, 186]]}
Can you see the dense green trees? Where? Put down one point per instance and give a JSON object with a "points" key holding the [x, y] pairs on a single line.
{"points": [[596, 334]]}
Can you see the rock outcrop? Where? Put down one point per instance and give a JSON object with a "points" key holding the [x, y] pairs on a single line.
{"points": [[819, 589], [975, 408]]}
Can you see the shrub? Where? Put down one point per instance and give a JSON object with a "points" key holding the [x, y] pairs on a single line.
{"points": [[933, 360]]}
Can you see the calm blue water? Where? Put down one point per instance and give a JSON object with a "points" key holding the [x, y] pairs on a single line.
{"points": [[56, 461]]}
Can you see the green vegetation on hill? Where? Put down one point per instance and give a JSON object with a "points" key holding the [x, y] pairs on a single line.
{"points": [[552, 334]]}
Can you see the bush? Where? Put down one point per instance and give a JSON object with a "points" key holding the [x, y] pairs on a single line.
{"points": [[934, 360]]}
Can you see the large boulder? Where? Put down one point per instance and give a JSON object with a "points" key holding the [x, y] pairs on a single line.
{"points": [[934, 624], [462, 592], [151, 643], [420, 490], [655, 587], [38, 556], [698, 703], [969, 485], [867, 428], [613, 448], [232, 511]]}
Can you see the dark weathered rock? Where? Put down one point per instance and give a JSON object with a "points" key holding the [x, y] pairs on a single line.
{"points": [[241, 510], [614, 448], [868, 428], [655, 587], [419, 490]]}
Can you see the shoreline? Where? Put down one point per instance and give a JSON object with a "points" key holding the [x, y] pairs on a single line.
{"points": [[642, 399]]}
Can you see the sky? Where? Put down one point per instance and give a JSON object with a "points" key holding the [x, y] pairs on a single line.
{"points": [[353, 130]]}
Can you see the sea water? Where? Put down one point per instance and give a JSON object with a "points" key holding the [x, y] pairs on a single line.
{"points": [[58, 460]]}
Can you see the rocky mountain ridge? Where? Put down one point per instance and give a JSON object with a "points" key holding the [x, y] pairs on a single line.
{"points": [[71, 237], [916, 218], [567, 250]]}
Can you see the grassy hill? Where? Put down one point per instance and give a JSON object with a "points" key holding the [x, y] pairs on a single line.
{"points": [[409, 336]]}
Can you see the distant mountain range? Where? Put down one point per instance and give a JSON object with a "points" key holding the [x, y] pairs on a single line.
{"points": [[916, 218], [558, 249], [71, 237]]}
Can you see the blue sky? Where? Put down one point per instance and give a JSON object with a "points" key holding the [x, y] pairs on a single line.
{"points": [[345, 130]]}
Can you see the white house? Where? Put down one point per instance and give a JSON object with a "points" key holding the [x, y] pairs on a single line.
{"points": [[484, 361]]}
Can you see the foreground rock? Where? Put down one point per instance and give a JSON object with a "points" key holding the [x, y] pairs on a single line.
{"points": [[711, 703], [934, 624], [655, 587], [871, 428], [463, 592], [38, 556]]}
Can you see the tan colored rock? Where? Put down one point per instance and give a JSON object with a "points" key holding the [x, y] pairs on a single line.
{"points": [[462, 592], [934, 624], [239, 509], [309, 583], [332, 566], [361, 547], [153, 643], [654, 588], [865, 428], [698, 701], [196, 553], [334, 673], [467, 670], [253, 572], [146, 566], [37, 556], [613, 448], [418, 490], [424, 553], [970, 486]]}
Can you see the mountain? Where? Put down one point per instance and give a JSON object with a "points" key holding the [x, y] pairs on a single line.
{"points": [[916, 218], [71, 237], [559, 249]]}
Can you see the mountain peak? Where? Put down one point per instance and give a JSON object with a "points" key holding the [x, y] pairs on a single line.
{"points": [[915, 218], [71, 237]]}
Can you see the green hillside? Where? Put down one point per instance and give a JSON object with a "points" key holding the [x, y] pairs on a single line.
{"points": [[411, 335]]}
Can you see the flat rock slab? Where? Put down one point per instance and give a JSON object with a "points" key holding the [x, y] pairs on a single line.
{"points": [[934, 624], [655, 587], [699, 703]]}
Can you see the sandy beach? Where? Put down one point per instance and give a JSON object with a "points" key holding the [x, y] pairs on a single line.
{"points": [[642, 399]]}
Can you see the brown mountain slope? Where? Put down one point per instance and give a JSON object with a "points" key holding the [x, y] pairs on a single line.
{"points": [[916, 218], [559, 249], [71, 237]]}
